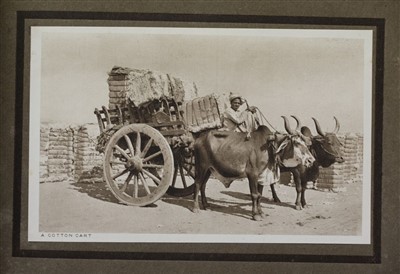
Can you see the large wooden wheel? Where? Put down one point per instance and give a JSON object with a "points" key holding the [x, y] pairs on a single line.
{"points": [[184, 173], [138, 165]]}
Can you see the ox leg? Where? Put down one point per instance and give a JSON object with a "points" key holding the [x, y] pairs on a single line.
{"points": [[260, 191], [196, 207], [274, 195], [255, 198], [203, 192], [297, 181], [303, 194]]}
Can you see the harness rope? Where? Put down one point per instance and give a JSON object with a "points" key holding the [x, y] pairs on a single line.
{"points": [[263, 118]]}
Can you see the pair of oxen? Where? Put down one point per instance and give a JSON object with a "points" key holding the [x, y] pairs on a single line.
{"points": [[231, 155]]}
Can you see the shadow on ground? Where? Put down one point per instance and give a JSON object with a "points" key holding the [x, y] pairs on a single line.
{"points": [[96, 190], [264, 200], [234, 208]]}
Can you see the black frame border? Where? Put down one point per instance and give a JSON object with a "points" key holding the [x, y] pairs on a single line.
{"points": [[377, 23]]}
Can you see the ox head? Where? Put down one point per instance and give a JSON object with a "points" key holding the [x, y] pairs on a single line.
{"points": [[327, 146], [292, 149]]}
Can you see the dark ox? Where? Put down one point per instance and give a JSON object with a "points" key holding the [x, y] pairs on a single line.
{"points": [[230, 156], [326, 149]]}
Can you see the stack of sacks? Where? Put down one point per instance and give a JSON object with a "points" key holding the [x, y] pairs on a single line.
{"points": [[88, 162], [201, 113], [332, 178], [144, 85], [44, 145], [360, 157], [60, 154], [350, 156]]}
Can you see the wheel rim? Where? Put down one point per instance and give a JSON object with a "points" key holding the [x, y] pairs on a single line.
{"points": [[184, 173], [132, 155]]}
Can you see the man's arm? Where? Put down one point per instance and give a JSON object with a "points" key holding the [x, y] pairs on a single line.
{"points": [[236, 117]]}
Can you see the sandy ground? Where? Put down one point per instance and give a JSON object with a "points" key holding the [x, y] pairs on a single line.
{"points": [[91, 208]]}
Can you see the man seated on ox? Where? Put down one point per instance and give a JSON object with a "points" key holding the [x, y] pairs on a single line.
{"points": [[241, 118]]}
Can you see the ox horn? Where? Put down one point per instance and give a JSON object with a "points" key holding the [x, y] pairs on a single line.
{"points": [[318, 128], [297, 121], [287, 126], [337, 126]]}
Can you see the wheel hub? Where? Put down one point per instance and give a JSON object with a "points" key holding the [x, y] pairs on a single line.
{"points": [[135, 164]]}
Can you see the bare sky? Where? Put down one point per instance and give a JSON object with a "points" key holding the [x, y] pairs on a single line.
{"points": [[308, 76]]}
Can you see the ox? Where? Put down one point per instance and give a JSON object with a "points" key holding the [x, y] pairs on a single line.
{"points": [[230, 156], [326, 149]]}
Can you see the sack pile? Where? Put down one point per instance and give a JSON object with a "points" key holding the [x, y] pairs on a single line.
{"points": [[68, 152], [360, 157], [88, 161], [141, 85], [60, 154], [332, 178], [350, 156], [337, 176], [44, 144], [202, 113]]}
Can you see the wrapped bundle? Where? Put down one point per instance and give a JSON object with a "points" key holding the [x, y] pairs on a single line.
{"points": [[86, 157], [201, 113], [350, 155], [144, 85], [332, 178], [60, 154]]}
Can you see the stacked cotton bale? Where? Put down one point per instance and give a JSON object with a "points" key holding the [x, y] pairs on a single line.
{"points": [[44, 145], [333, 177], [141, 85], [360, 157], [350, 156], [88, 162], [202, 113], [60, 154]]}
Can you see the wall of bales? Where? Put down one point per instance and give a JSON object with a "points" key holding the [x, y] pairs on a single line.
{"points": [[337, 176], [68, 153]]}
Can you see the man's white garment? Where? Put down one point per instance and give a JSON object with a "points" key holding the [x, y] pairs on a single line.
{"points": [[240, 120]]}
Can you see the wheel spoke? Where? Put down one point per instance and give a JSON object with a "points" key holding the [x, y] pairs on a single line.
{"points": [[135, 187], [123, 188], [146, 148], [130, 146], [120, 174], [152, 166], [138, 144], [152, 156], [117, 163], [182, 176], [174, 177], [122, 152], [151, 176], [144, 182], [189, 170]]}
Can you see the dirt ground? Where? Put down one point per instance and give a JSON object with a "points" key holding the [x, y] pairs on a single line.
{"points": [[91, 208]]}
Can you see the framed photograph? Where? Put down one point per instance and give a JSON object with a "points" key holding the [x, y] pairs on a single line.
{"points": [[112, 103]]}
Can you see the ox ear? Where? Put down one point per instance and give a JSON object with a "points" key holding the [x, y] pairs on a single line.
{"points": [[306, 131]]}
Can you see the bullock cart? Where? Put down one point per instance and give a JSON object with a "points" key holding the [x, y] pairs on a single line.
{"points": [[147, 150]]}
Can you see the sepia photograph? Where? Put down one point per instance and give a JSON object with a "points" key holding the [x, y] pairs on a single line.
{"points": [[200, 135]]}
